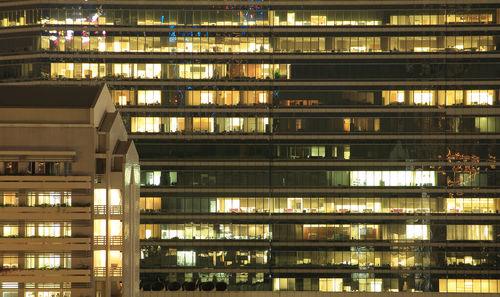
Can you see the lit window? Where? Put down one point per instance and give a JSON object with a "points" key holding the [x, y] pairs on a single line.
{"points": [[49, 230], [203, 125], [150, 203], [10, 230], [99, 259], [145, 124], [469, 286], [122, 100], [30, 230], [423, 97], [480, 97], [469, 232], [49, 198], [284, 284], [418, 232], [148, 97], [186, 258], [206, 98], [9, 199], [330, 285], [152, 178], [49, 261], [262, 97], [99, 227], [10, 260], [393, 178]]}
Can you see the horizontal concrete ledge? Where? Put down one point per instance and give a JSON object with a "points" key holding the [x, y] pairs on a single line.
{"points": [[310, 243], [347, 136], [264, 83], [41, 213], [44, 125], [45, 244], [244, 3], [261, 29], [307, 162], [303, 191], [279, 217], [322, 270], [37, 275], [265, 110], [304, 294], [9, 182], [45, 178], [371, 56]]}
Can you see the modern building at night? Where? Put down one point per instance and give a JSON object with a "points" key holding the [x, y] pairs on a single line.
{"points": [[320, 146], [69, 194]]}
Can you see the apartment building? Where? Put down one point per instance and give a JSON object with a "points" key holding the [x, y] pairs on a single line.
{"points": [[292, 146], [69, 188]]}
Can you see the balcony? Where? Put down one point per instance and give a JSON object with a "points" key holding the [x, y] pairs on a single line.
{"points": [[114, 271], [100, 240], [114, 240], [116, 210], [39, 275], [100, 209], [42, 213], [37, 244], [44, 182]]}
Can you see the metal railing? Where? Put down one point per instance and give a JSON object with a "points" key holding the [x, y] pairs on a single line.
{"points": [[100, 209], [116, 210], [115, 271], [116, 240], [99, 178], [100, 271], [99, 240]]}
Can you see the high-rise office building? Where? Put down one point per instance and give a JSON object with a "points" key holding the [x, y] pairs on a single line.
{"points": [[69, 194], [329, 146]]}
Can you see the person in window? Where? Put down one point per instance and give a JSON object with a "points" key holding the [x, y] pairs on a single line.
{"points": [[10, 167]]}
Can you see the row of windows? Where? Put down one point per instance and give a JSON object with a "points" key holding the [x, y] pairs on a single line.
{"points": [[355, 282], [158, 97], [387, 285], [435, 124], [441, 97], [10, 289], [319, 205], [37, 230], [252, 97], [159, 257], [88, 41], [306, 178], [35, 168], [153, 256], [38, 261], [335, 232], [48, 198], [199, 125], [232, 17], [39, 198], [246, 72], [169, 71], [100, 226], [383, 259], [314, 150], [45, 293]]}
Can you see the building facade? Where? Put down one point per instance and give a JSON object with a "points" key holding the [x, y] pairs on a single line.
{"points": [[316, 146], [69, 190]]}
